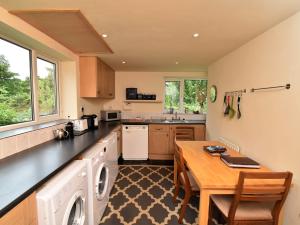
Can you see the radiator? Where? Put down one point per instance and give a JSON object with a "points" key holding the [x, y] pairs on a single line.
{"points": [[229, 144]]}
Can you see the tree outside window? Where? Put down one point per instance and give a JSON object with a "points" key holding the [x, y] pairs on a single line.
{"points": [[186, 95], [17, 87]]}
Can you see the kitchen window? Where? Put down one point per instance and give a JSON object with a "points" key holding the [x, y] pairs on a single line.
{"points": [[28, 86], [185, 95], [47, 90]]}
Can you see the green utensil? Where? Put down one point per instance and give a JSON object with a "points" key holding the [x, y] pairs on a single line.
{"points": [[231, 110]]}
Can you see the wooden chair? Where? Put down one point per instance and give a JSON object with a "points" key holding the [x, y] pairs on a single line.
{"points": [[185, 179], [182, 134], [254, 204]]}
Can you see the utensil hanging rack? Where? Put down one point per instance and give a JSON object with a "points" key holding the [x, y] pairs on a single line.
{"points": [[287, 86], [237, 92]]}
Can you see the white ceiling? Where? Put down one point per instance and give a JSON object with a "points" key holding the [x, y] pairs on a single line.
{"points": [[152, 35]]}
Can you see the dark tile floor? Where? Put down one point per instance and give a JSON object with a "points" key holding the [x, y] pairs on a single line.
{"points": [[143, 194]]}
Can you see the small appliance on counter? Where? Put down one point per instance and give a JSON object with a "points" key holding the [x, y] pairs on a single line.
{"points": [[92, 121], [110, 115], [60, 134], [70, 129], [80, 126], [131, 93]]}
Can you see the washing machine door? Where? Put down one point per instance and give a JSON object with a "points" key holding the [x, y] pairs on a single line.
{"points": [[75, 212], [101, 181]]}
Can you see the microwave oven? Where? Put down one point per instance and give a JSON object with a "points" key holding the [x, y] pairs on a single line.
{"points": [[110, 115]]}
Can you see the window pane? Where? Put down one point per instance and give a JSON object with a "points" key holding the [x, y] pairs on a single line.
{"points": [[15, 84], [172, 99], [46, 72], [195, 95]]}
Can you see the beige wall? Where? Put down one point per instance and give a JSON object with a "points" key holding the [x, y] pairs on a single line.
{"points": [[269, 128]]}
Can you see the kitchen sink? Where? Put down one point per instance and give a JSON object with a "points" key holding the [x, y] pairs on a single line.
{"points": [[175, 121]]}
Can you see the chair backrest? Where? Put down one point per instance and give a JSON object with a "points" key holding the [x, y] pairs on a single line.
{"points": [[274, 193], [181, 167], [184, 133]]}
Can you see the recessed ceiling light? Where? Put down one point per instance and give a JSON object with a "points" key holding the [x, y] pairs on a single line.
{"points": [[195, 35], [124, 62], [105, 35], [176, 63]]}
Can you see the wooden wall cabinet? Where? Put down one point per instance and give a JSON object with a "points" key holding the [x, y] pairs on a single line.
{"points": [[161, 139], [97, 79], [25, 213]]}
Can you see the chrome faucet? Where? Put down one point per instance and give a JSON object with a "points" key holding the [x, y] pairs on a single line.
{"points": [[176, 117]]}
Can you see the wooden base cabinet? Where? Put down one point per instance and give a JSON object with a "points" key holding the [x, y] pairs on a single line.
{"points": [[159, 142], [25, 213], [161, 139]]}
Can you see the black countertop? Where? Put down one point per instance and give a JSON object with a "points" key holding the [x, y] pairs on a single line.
{"points": [[22, 173], [158, 121]]}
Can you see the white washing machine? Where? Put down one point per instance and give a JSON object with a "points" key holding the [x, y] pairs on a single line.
{"points": [[98, 181], [111, 143], [64, 199]]}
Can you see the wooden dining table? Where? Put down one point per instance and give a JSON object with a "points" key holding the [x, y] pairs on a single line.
{"points": [[211, 174]]}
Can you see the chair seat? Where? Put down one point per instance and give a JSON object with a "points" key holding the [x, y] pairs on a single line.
{"points": [[245, 210], [194, 185]]}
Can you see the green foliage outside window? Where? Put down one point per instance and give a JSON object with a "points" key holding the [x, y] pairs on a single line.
{"points": [[194, 95], [172, 95], [15, 96], [47, 87]]}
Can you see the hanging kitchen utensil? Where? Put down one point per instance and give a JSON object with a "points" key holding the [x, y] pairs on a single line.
{"points": [[231, 111], [224, 104], [228, 106], [239, 115]]}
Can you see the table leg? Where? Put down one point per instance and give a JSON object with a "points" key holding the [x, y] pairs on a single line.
{"points": [[204, 207]]}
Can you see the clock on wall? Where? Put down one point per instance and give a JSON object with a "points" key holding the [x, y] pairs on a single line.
{"points": [[213, 93]]}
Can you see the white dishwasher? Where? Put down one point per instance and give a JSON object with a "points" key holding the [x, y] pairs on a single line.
{"points": [[135, 142]]}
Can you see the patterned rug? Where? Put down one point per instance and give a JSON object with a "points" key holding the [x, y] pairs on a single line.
{"points": [[144, 195]]}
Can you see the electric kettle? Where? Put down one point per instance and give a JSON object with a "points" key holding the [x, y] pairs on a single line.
{"points": [[60, 134]]}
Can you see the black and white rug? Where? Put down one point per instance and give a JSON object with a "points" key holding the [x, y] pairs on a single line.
{"points": [[144, 195]]}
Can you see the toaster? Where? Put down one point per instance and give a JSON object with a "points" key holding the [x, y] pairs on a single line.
{"points": [[80, 125]]}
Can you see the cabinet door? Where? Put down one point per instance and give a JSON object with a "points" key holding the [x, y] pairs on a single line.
{"points": [[22, 214], [106, 80], [199, 132], [110, 80], [88, 77], [158, 141]]}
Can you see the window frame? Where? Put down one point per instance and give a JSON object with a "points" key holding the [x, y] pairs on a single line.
{"points": [[45, 118], [36, 118], [181, 92]]}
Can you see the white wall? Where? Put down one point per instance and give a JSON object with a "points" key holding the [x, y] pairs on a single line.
{"points": [[269, 128]]}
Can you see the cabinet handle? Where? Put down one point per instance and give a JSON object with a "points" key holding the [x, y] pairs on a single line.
{"points": [[110, 94]]}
